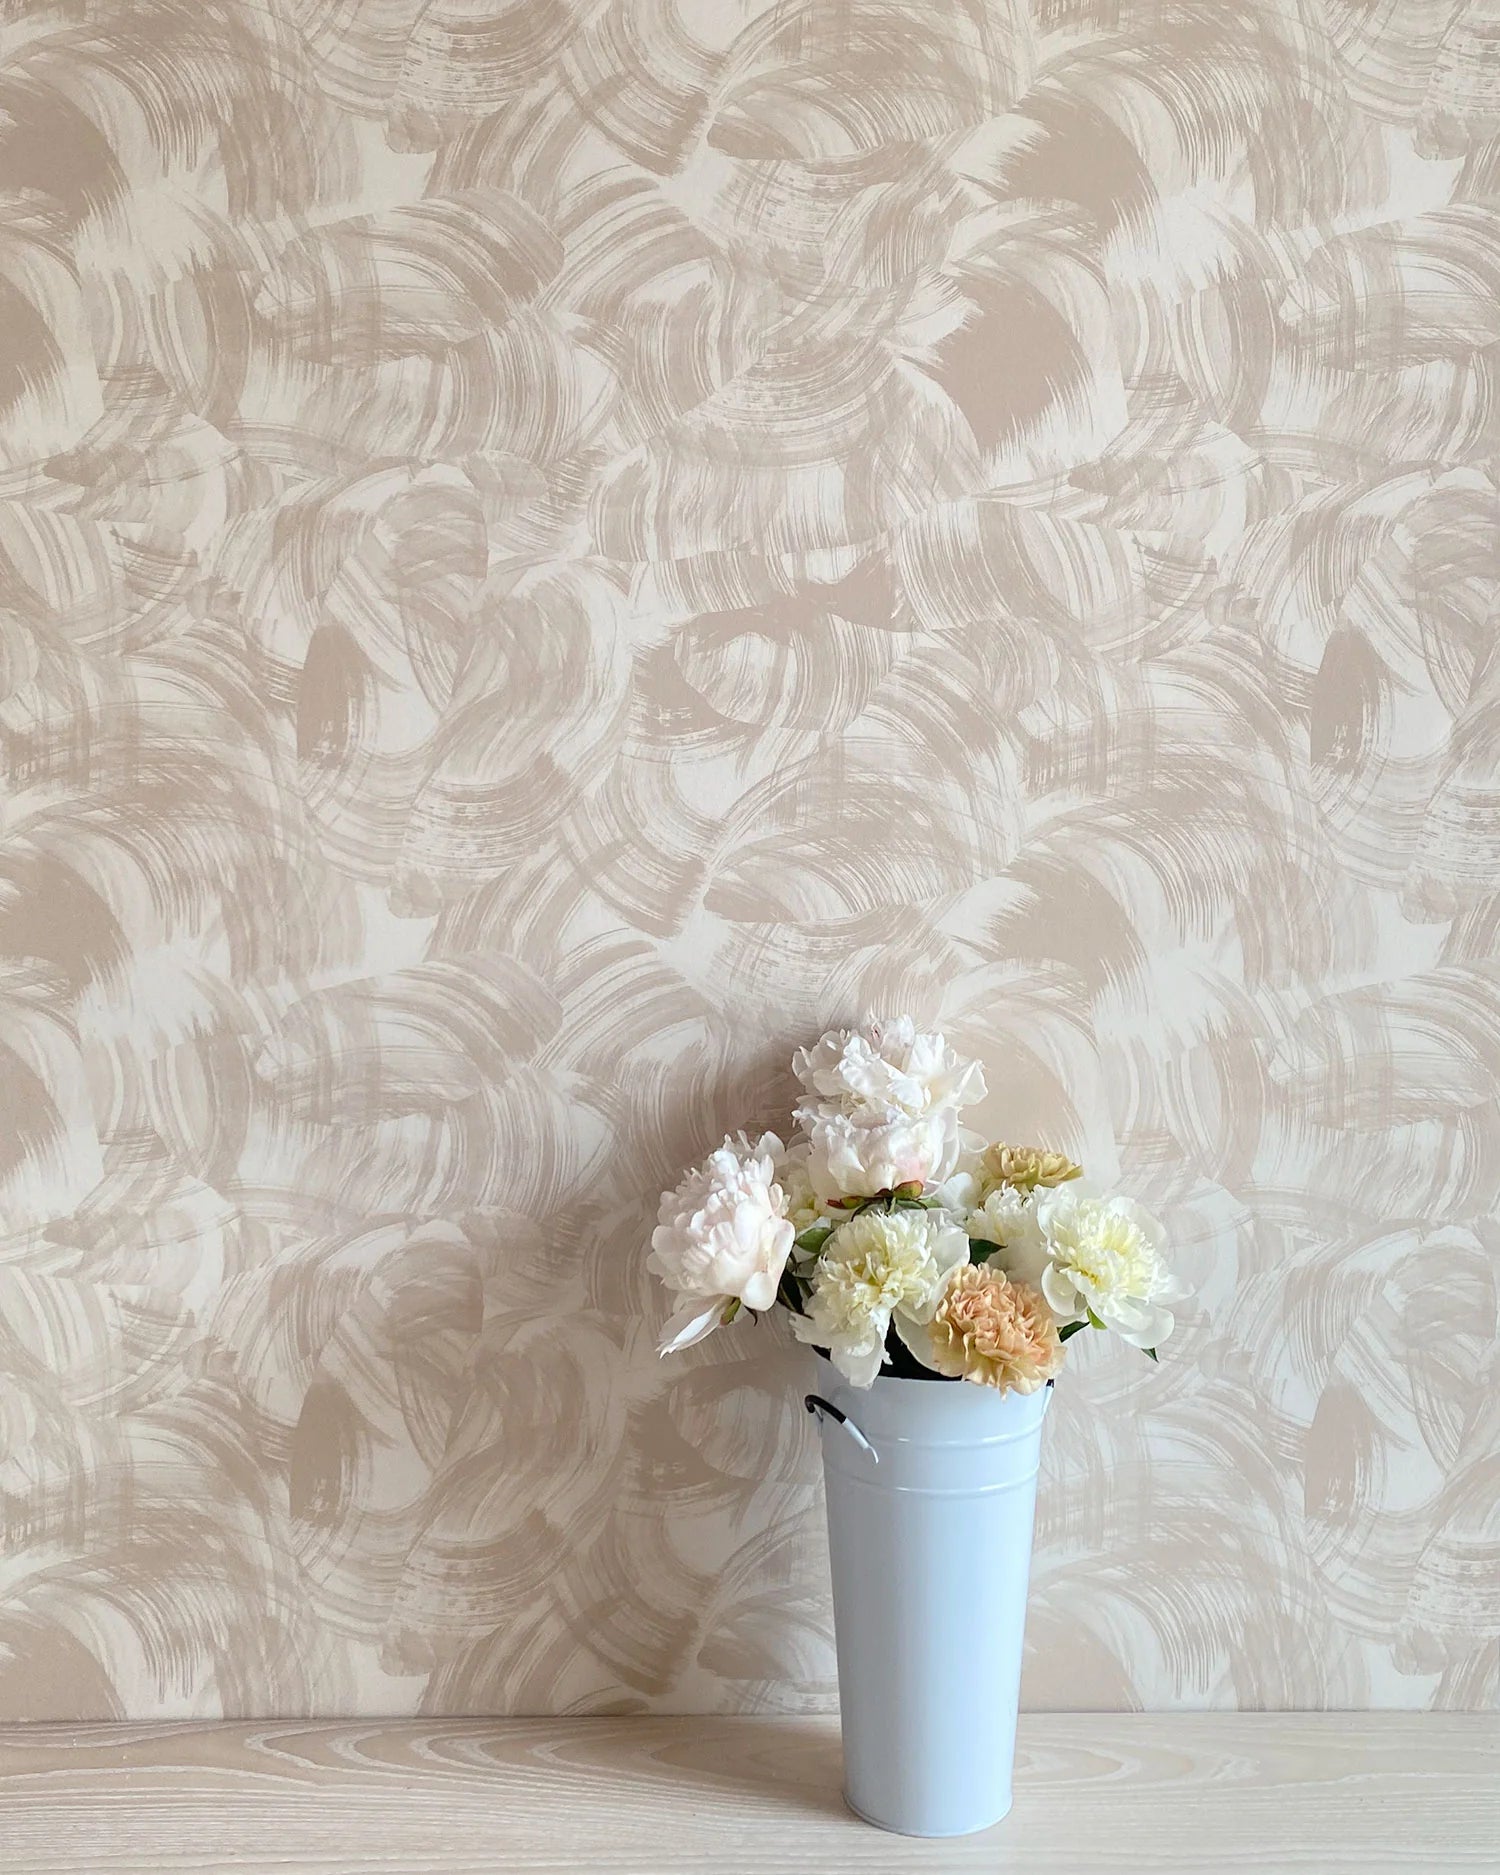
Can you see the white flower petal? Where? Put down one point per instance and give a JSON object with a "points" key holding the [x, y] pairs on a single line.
{"points": [[914, 1335], [760, 1291], [1145, 1328], [859, 1366], [1061, 1295], [691, 1322]]}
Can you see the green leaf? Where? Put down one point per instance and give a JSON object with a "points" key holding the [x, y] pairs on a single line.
{"points": [[1150, 1353], [814, 1237], [1094, 1321], [731, 1309], [1071, 1328], [981, 1249]]}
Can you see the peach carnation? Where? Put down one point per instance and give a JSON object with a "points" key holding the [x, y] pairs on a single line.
{"points": [[990, 1330]]}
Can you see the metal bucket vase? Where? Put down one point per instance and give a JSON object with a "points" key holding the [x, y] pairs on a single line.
{"points": [[931, 1491]]}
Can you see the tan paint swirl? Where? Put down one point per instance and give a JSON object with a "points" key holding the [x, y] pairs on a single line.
{"points": [[547, 550]]}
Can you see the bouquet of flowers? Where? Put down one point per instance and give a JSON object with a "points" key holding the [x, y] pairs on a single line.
{"points": [[899, 1241]]}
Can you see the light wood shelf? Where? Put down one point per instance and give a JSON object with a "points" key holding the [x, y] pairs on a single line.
{"points": [[1097, 1794]]}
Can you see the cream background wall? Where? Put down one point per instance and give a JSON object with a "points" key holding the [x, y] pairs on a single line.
{"points": [[548, 551]]}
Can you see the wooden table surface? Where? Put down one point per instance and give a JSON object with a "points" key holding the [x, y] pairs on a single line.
{"points": [[1184, 1794]]}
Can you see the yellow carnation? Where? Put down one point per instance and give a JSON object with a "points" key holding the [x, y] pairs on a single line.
{"points": [[1026, 1166]]}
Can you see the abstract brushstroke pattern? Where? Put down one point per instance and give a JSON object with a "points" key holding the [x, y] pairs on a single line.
{"points": [[550, 549]]}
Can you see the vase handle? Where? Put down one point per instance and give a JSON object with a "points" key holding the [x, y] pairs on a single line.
{"points": [[825, 1409]]}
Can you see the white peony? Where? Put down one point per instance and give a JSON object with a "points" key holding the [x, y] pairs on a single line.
{"points": [[1103, 1257], [888, 1064], [803, 1206], [1008, 1219], [875, 1150], [724, 1237], [877, 1265], [882, 1107]]}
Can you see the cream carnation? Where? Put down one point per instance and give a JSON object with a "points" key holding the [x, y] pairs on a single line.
{"points": [[877, 1266], [989, 1330], [1103, 1260], [724, 1237]]}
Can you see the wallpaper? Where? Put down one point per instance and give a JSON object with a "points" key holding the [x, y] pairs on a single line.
{"points": [[552, 549]]}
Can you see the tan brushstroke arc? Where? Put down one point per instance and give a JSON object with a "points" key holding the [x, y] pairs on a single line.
{"points": [[549, 551]]}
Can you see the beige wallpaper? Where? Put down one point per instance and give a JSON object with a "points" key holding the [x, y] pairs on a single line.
{"points": [[550, 550]]}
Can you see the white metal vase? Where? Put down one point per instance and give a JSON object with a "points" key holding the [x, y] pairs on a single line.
{"points": [[931, 1491]]}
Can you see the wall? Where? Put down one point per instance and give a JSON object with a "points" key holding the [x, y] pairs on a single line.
{"points": [[548, 551]]}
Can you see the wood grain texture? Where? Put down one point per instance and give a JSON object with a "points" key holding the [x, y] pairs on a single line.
{"points": [[1171, 1793]]}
